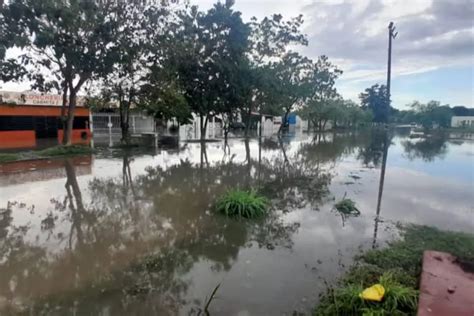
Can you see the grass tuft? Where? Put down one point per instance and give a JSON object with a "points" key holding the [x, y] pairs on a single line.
{"points": [[398, 299], [239, 203], [347, 207]]}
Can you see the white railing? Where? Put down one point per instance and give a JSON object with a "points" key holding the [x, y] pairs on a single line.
{"points": [[109, 124]]}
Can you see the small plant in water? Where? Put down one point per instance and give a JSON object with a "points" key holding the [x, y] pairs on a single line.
{"points": [[347, 207], [239, 203]]}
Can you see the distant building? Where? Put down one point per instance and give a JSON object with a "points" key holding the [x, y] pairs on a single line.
{"points": [[27, 117], [462, 121]]}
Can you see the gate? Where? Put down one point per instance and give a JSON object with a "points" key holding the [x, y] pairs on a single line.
{"points": [[109, 124]]}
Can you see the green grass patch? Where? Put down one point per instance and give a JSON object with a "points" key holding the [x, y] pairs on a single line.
{"points": [[399, 267], [347, 207], [64, 151], [398, 299], [7, 157], [239, 203]]}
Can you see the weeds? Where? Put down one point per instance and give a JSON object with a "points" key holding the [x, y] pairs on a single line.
{"points": [[238, 203]]}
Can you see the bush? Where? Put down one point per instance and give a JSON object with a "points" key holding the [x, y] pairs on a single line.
{"points": [[239, 203]]}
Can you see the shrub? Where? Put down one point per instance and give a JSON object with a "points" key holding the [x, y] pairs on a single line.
{"points": [[239, 203]]}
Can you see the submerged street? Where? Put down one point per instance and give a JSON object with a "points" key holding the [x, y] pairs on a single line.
{"points": [[134, 231]]}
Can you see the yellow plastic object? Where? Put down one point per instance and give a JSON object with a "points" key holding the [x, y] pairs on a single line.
{"points": [[373, 293]]}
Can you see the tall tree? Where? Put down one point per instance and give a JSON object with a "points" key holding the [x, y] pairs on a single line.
{"points": [[432, 114], [323, 100], [269, 42], [211, 48], [66, 44], [137, 26], [376, 99]]}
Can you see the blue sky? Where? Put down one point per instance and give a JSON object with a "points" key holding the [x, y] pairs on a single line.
{"points": [[450, 85]]}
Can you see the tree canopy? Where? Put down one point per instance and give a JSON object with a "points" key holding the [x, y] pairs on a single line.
{"points": [[168, 60]]}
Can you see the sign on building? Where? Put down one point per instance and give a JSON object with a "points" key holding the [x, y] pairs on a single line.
{"points": [[30, 98]]}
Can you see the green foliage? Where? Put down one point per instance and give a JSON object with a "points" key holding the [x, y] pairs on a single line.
{"points": [[347, 206], [432, 113], [64, 151], [376, 99], [397, 268], [7, 157], [66, 45], [239, 203]]}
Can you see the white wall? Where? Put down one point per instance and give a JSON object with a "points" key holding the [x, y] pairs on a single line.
{"points": [[460, 121]]}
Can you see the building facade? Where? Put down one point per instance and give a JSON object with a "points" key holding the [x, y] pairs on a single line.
{"points": [[462, 121], [26, 118]]}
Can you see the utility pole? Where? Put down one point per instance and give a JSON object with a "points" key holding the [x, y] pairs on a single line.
{"points": [[391, 35]]}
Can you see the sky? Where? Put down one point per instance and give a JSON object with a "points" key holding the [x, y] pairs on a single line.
{"points": [[432, 57]]}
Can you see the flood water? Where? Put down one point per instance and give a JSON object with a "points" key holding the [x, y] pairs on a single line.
{"points": [[134, 232]]}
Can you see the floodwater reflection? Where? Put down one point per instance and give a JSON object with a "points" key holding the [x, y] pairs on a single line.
{"points": [[134, 233]]}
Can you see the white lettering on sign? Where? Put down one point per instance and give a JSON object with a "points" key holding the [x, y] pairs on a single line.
{"points": [[20, 98]]}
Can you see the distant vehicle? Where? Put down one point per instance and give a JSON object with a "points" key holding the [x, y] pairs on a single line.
{"points": [[237, 125]]}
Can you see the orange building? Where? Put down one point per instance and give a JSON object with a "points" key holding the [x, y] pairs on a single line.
{"points": [[25, 118]]}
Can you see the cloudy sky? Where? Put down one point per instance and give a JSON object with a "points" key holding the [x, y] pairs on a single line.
{"points": [[433, 55]]}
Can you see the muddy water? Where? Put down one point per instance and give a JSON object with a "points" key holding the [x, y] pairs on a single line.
{"points": [[134, 233]]}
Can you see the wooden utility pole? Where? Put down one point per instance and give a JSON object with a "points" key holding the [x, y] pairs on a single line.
{"points": [[391, 35]]}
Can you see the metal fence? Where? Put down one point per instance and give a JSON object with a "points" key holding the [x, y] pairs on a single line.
{"points": [[109, 124]]}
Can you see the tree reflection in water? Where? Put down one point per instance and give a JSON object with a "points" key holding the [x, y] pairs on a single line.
{"points": [[427, 149], [132, 241]]}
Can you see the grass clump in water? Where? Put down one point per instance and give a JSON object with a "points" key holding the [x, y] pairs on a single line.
{"points": [[239, 203], [399, 267], [65, 151], [7, 157], [347, 207]]}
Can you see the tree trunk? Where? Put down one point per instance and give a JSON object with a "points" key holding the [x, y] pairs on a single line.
{"points": [[63, 112], [124, 121], [67, 133], [249, 119], [285, 118], [204, 126]]}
